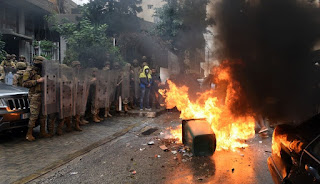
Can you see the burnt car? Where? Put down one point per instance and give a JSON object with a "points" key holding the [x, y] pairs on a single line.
{"points": [[14, 107], [295, 154]]}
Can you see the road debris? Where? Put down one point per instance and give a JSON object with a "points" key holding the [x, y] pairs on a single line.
{"points": [[174, 152], [133, 172], [232, 170], [141, 149], [73, 173], [260, 142], [151, 143], [164, 148]]}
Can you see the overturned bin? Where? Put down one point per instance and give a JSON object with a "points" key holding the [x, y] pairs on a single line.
{"points": [[199, 136]]}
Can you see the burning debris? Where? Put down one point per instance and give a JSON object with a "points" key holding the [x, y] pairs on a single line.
{"points": [[214, 107]]}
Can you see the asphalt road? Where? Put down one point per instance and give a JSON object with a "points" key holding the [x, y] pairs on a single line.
{"points": [[128, 159]]}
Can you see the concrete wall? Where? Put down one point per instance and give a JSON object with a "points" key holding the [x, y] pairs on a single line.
{"points": [[148, 9]]}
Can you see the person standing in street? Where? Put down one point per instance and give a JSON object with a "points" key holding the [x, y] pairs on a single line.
{"points": [[135, 82], [32, 79], [18, 76], [154, 90], [107, 69], [145, 84]]}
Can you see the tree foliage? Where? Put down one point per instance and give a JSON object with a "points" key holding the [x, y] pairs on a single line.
{"points": [[183, 23], [2, 45], [119, 15], [86, 42]]}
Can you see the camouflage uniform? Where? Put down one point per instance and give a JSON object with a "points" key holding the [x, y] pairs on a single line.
{"points": [[22, 58], [125, 86], [78, 117], [13, 58], [94, 104], [18, 77], [7, 62], [117, 82], [135, 92], [30, 80], [2, 74], [109, 90]]}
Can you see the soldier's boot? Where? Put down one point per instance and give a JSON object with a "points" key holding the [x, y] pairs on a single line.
{"points": [[43, 132], [100, 118], [77, 124], [125, 107], [51, 127], [107, 113], [69, 125], [96, 119], [29, 135], [60, 126], [83, 121]]}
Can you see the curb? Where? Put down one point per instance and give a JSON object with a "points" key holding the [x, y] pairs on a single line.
{"points": [[74, 155]]}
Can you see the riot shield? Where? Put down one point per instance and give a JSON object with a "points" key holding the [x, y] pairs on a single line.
{"points": [[81, 91], [106, 78], [125, 84], [66, 91], [101, 88], [136, 73], [50, 73]]}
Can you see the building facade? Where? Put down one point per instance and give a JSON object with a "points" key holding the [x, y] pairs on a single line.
{"points": [[149, 8], [22, 24]]}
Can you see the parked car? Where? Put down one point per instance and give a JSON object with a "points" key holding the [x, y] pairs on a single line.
{"points": [[14, 107], [296, 153]]}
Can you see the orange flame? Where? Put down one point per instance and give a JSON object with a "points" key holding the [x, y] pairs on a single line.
{"points": [[230, 131]]}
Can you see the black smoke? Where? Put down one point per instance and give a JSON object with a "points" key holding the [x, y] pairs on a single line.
{"points": [[273, 40]]}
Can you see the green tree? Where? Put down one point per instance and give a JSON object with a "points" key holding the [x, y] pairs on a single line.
{"points": [[2, 52], [86, 42], [119, 15], [182, 24]]}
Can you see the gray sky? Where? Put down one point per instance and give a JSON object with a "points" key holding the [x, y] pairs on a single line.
{"points": [[80, 1]]}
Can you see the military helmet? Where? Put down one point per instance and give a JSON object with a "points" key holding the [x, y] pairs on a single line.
{"points": [[21, 66], [107, 63], [38, 59], [116, 64], [75, 63], [144, 58], [22, 56], [13, 55], [8, 56], [144, 64], [135, 61]]}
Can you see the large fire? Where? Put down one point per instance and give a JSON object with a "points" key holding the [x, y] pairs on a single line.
{"points": [[231, 131]]}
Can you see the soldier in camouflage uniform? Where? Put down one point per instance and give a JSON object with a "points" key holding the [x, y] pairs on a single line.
{"points": [[32, 79], [2, 74], [125, 86], [117, 83], [7, 62], [14, 58], [22, 58], [94, 106], [108, 104], [18, 77], [79, 120], [135, 92]]}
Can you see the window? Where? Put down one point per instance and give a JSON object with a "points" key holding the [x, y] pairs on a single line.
{"points": [[150, 6]]}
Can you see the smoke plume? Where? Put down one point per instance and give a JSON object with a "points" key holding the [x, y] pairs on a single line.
{"points": [[269, 46]]}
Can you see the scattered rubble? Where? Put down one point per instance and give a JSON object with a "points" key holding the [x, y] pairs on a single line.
{"points": [[151, 143]]}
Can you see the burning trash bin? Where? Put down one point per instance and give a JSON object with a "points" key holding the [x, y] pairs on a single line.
{"points": [[199, 136]]}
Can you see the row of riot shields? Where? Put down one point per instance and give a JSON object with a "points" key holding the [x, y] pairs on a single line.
{"points": [[66, 89]]}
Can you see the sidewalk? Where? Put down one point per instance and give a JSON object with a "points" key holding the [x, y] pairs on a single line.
{"points": [[22, 160]]}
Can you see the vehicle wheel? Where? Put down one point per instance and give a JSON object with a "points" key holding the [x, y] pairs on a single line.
{"points": [[286, 181], [20, 131]]}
